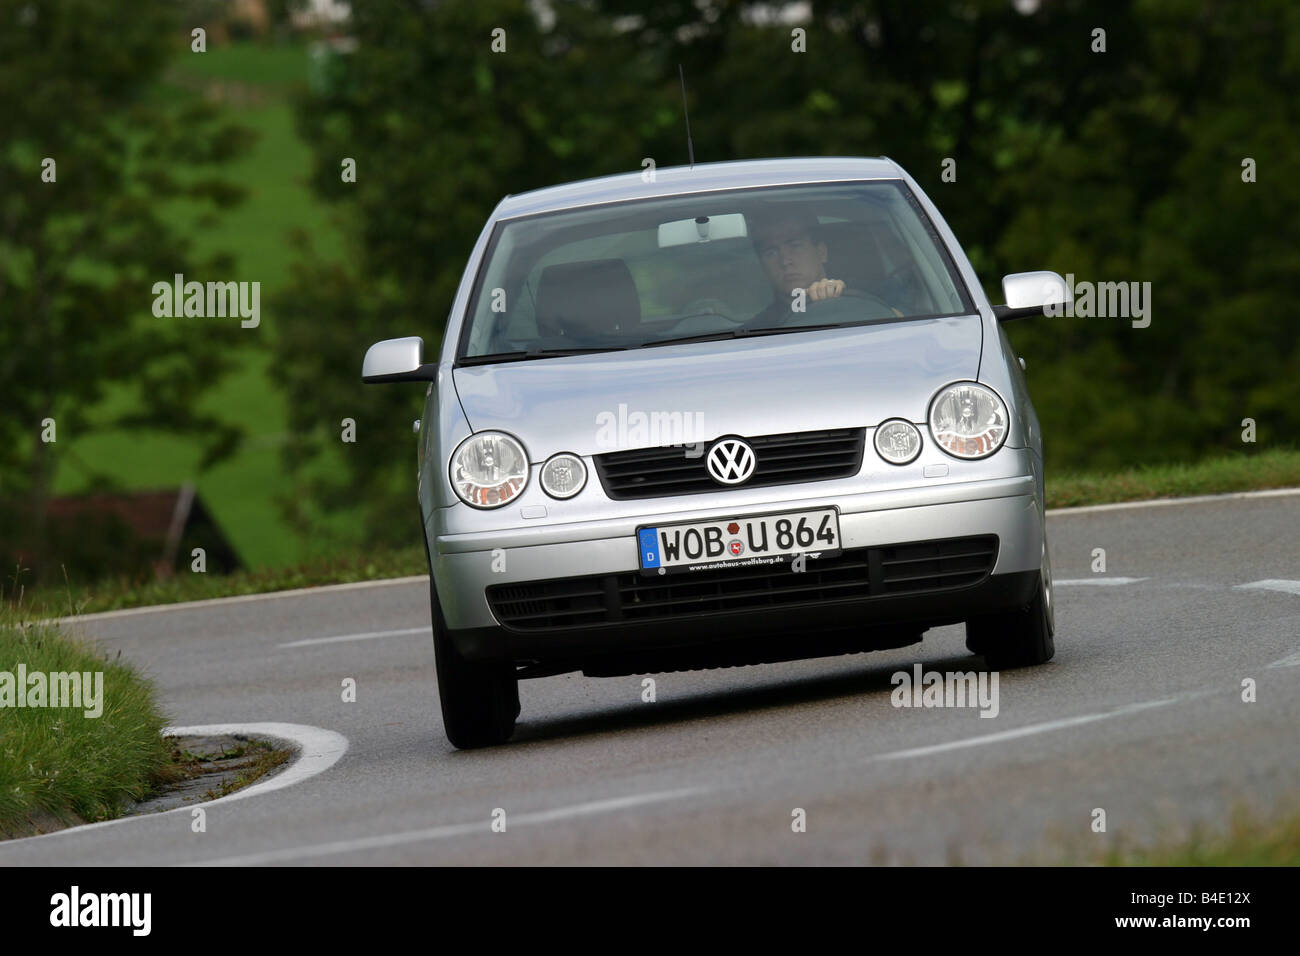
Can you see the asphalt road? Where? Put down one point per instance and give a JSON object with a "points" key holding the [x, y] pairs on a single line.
{"points": [[1140, 715]]}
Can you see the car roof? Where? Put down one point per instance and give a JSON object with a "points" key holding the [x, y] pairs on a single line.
{"points": [[703, 177]]}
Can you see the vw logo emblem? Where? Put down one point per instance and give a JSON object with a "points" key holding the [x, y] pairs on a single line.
{"points": [[730, 461]]}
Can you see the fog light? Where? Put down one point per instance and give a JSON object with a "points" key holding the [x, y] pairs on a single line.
{"points": [[898, 441], [563, 475]]}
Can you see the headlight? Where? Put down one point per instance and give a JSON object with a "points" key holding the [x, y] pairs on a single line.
{"points": [[563, 475], [489, 469], [898, 442], [968, 420]]}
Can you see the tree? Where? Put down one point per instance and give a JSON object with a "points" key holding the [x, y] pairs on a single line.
{"points": [[1149, 187], [94, 162]]}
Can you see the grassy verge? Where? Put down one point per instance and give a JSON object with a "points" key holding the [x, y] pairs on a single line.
{"points": [[1249, 841], [57, 764], [108, 595], [1279, 468]]}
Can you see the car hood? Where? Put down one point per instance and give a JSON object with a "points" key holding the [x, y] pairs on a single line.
{"points": [[800, 381]]}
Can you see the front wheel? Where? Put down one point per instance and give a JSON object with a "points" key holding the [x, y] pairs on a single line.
{"points": [[480, 700], [1019, 638]]}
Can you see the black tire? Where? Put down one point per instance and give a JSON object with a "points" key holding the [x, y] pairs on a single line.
{"points": [[480, 699], [1019, 638]]}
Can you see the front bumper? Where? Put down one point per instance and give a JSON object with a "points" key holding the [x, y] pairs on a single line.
{"points": [[466, 565]]}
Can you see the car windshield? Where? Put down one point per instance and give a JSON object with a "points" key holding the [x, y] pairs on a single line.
{"points": [[757, 261]]}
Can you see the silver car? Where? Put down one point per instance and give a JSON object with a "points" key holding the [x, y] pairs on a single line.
{"points": [[737, 413]]}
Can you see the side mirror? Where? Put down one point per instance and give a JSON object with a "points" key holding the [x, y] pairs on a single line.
{"points": [[1028, 293], [396, 360]]}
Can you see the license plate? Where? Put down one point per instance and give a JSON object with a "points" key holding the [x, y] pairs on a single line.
{"points": [[727, 542]]}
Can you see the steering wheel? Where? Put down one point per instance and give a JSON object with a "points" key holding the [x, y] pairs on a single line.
{"points": [[853, 294], [702, 316], [697, 307], [824, 306]]}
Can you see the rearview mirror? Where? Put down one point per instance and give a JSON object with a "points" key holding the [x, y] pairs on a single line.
{"points": [[702, 229], [396, 360], [1028, 293]]}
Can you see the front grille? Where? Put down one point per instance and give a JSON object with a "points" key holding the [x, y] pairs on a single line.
{"points": [[859, 573], [779, 460]]}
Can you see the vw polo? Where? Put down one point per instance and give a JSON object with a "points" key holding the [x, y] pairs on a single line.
{"points": [[747, 412]]}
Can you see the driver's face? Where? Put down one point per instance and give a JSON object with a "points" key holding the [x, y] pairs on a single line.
{"points": [[790, 258]]}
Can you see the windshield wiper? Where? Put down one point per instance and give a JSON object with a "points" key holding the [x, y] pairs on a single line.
{"points": [[524, 354], [739, 332]]}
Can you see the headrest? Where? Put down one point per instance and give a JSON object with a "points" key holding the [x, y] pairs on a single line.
{"points": [[587, 298]]}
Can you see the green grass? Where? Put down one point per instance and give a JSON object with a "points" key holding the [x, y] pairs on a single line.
{"points": [[108, 595], [1250, 840], [263, 67], [1254, 471], [58, 763], [1249, 835]]}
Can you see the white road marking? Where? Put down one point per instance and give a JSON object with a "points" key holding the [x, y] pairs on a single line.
{"points": [[1096, 581], [318, 750], [1027, 731], [481, 827], [1159, 502], [1291, 660], [1271, 584], [238, 599], [369, 636]]}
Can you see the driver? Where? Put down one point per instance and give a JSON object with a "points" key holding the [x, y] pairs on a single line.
{"points": [[794, 257]]}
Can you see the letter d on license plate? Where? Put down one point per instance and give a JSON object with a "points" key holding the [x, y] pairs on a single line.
{"points": [[753, 540]]}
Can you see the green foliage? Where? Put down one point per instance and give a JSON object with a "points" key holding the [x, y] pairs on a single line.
{"points": [[1149, 188], [240, 491], [79, 255]]}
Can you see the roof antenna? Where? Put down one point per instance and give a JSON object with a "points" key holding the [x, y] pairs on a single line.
{"points": [[690, 146]]}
